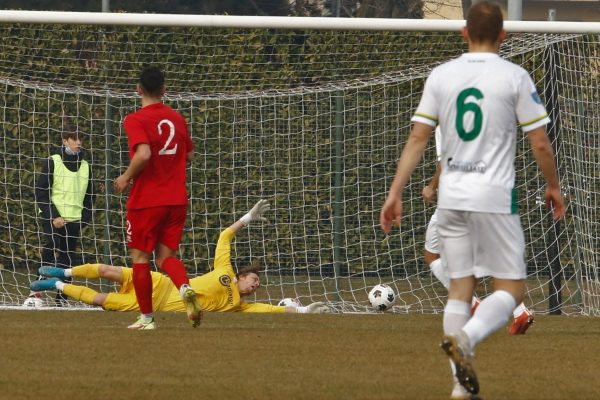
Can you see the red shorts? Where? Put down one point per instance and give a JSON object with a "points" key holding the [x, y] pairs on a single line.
{"points": [[146, 227]]}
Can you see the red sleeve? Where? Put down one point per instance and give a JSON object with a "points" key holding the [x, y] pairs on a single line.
{"points": [[189, 145], [136, 134]]}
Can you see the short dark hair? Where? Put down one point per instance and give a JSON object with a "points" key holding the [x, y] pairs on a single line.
{"points": [[70, 131], [484, 22], [152, 80], [253, 269]]}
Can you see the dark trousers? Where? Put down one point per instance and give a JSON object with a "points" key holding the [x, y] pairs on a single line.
{"points": [[60, 247]]}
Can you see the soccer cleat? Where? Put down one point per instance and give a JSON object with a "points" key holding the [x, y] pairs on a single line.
{"points": [[192, 307], [475, 301], [460, 393], [520, 324], [44, 284], [142, 324], [458, 350], [53, 272]]}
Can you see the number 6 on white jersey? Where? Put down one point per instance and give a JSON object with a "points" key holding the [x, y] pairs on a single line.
{"points": [[165, 150]]}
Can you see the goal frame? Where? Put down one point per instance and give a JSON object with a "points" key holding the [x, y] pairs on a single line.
{"points": [[301, 23]]}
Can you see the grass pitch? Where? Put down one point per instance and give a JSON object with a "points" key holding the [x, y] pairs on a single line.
{"points": [[91, 355]]}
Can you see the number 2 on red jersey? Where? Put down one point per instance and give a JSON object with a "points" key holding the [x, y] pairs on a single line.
{"points": [[165, 151]]}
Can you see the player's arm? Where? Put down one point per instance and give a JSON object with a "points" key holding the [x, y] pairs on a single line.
{"points": [[430, 190], [223, 251], [411, 154], [544, 155], [314, 308], [136, 166], [255, 214], [42, 191], [189, 155]]}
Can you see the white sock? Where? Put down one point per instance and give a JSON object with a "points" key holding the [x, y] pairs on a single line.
{"points": [[183, 288], [439, 271], [68, 272], [519, 310], [60, 285], [147, 317], [491, 315], [456, 314]]}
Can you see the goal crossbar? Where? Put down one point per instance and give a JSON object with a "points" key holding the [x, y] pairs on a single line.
{"points": [[271, 22]]}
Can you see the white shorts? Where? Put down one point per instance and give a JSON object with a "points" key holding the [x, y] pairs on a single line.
{"points": [[482, 244], [432, 243]]}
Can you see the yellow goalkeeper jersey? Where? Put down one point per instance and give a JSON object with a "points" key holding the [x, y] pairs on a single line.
{"points": [[217, 290]]}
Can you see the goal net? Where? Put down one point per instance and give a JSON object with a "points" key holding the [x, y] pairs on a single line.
{"points": [[312, 120]]}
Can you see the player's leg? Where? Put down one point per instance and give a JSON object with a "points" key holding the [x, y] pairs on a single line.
{"points": [[75, 292], [168, 243], [501, 239], [88, 271], [523, 318], [48, 255], [65, 246], [456, 250], [142, 228], [431, 256]]}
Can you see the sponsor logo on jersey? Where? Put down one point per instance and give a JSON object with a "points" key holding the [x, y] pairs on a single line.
{"points": [[467, 166], [225, 280], [536, 97]]}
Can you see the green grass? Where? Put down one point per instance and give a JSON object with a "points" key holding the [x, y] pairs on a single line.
{"points": [[91, 355]]}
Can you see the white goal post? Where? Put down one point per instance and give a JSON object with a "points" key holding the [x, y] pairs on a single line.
{"points": [[310, 113]]}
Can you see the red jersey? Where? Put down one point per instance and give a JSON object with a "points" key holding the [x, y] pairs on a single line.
{"points": [[163, 181]]}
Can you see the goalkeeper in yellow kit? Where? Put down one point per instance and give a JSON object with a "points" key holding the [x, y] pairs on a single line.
{"points": [[219, 290]]}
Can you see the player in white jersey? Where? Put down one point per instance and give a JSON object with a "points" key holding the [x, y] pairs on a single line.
{"points": [[522, 316], [478, 99]]}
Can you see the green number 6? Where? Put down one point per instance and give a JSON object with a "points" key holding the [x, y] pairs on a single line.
{"points": [[463, 107]]}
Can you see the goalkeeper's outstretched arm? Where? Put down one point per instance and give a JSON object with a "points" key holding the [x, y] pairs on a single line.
{"points": [[255, 214]]}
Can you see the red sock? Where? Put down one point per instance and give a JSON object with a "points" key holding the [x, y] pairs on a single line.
{"points": [[176, 271], [142, 282]]}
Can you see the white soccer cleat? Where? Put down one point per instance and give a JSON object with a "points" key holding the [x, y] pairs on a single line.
{"points": [[143, 324]]}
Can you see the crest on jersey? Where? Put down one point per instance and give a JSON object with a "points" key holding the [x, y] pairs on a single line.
{"points": [[225, 280], [536, 97]]}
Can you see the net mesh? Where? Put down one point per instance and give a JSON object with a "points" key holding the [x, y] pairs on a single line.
{"points": [[313, 121]]}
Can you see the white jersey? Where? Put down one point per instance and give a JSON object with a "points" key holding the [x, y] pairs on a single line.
{"points": [[438, 143], [477, 100]]}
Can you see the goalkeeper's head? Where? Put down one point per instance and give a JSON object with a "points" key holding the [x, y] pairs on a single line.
{"points": [[247, 280], [152, 82]]}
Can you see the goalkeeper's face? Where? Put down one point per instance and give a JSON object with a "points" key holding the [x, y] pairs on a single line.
{"points": [[248, 284]]}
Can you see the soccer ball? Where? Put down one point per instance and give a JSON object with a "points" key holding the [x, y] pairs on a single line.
{"points": [[290, 302], [382, 297], [33, 302]]}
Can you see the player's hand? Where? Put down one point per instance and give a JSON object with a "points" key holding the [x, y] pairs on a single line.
{"points": [[121, 183], [257, 212], [317, 308], [58, 222], [556, 202], [428, 194], [391, 212]]}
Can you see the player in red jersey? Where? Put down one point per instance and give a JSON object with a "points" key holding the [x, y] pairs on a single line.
{"points": [[159, 150]]}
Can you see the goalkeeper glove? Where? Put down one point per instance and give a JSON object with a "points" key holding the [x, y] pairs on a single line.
{"points": [[314, 308], [256, 213]]}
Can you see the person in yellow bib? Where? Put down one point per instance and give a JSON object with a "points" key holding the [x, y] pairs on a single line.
{"points": [[64, 194], [221, 290]]}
